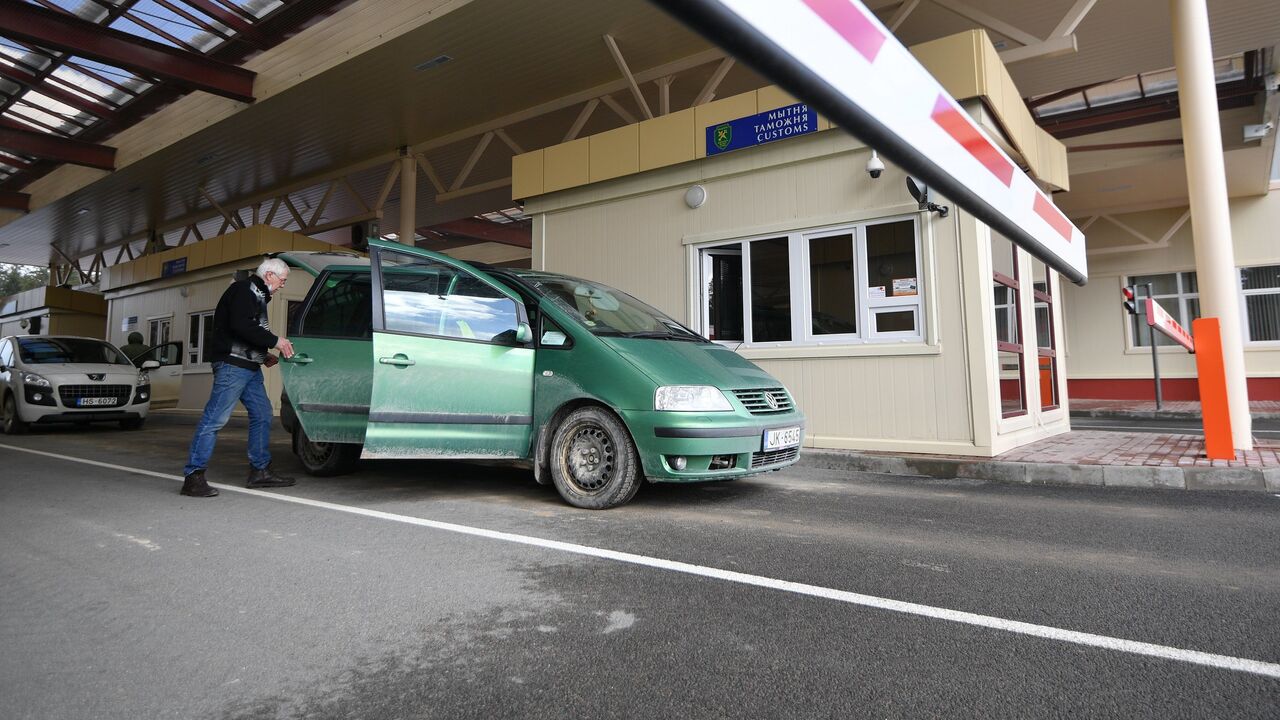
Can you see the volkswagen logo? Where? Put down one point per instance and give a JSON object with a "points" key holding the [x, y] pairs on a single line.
{"points": [[771, 400], [96, 376]]}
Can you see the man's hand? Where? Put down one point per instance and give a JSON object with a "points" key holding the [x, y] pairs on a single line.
{"points": [[285, 347]]}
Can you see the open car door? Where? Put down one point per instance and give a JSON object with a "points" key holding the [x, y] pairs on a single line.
{"points": [[166, 380], [328, 378], [452, 362]]}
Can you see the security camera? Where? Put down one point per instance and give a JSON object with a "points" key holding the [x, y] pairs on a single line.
{"points": [[875, 165]]}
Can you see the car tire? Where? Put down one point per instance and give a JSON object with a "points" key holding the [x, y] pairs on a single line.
{"points": [[13, 424], [593, 460], [132, 423], [324, 459]]}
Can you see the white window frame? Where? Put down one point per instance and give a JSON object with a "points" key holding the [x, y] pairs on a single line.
{"points": [[196, 349], [1244, 307], [798, 241], [156, 318]]}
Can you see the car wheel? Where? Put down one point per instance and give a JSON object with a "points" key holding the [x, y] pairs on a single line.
{"points": [[13, 424], [324, 459], [593, 460], [132, 423]]}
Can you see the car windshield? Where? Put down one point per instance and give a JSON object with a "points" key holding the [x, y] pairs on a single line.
{"points": [[605, 310], [45, 350]]}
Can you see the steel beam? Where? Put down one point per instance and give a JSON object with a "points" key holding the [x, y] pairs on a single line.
{"points": [[10, 200], [52, 147], [25, 22], [66, 97]]}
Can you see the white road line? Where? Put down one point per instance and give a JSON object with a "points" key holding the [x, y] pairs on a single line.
{"points": [[1224, 662]]}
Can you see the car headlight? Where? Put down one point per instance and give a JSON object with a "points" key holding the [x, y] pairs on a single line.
{"points": [[31, 378], [143, 378], [690, 398]]}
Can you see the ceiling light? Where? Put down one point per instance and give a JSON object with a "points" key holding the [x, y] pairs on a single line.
{"points": [[82, 211], [433, 62]]}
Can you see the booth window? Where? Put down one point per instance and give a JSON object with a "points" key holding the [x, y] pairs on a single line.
{"points": [[1046, 351], [1008, 325], [1176, 292], [200, 332], [158, 330], [1260, 287], [849, 284]]}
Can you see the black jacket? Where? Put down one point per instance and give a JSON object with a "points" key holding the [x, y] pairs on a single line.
{"points": [[241, 335]]}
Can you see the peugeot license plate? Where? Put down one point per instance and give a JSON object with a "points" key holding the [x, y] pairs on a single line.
{"points": [[779, 438], [86, 402]]}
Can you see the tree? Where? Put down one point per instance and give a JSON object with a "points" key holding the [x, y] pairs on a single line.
{"points": [[16, 278]]}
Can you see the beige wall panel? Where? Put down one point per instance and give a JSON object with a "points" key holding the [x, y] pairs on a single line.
{"points": [[614, 153], [84, 325], [526, 174], [630, 234], [567, 165], [954, 62], [197, 259], [667, 140], [730, 108]]}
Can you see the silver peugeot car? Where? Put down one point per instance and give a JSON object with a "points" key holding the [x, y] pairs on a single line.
{"points": [[53, 379]]}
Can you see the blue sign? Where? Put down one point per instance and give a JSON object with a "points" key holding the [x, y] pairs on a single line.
{"points": [[173, 267], [765, 127]]}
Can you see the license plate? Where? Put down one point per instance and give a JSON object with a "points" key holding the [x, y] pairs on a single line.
{"points": [[780, 438], [86, 402]]}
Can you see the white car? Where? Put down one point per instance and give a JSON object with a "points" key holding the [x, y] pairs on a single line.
{"points": [[59, 379]]}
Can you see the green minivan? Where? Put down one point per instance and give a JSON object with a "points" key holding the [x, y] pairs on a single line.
{"points": [[413, 354]]}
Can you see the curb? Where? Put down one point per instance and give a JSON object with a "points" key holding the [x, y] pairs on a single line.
{"points": [[1126, 476], [1156, 415]]}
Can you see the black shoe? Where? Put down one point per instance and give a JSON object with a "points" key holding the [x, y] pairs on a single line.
{"points": [[267, 478], [196, 486]]}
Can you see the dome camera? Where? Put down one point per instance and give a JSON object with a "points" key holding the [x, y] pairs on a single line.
{"points": [[875, 165]]}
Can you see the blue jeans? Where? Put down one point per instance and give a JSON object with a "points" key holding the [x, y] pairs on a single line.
{"points": [[232, 383]]}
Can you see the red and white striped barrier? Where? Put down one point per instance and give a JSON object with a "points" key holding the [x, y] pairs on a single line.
{"points": [[836, 56]]}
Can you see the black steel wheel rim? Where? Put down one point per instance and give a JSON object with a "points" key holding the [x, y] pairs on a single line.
{"points": [[314, 454], [590, 458]]}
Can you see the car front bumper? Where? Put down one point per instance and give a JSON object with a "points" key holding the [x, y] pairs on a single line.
{"points": [[714, 446]]}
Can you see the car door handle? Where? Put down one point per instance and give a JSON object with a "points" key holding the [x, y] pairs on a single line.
{"points": [[399, 360], [297, 359]]}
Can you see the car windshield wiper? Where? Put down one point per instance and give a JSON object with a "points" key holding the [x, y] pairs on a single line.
{"points": [[664, 335]]}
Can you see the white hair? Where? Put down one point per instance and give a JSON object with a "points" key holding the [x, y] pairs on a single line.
{"points": [[272, 265]]}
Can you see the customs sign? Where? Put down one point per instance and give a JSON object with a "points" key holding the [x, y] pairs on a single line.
{"points": [[765, 127]]}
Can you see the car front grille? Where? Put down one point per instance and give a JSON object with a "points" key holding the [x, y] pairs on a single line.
{"points": [[71, 394], [774, 457], [756, 401]]}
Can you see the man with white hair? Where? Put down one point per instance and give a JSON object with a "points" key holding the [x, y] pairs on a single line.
{"points": [[238, 349]]}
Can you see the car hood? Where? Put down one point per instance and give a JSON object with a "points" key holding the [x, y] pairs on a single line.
{"points": [[67, 372], [675, 362]]}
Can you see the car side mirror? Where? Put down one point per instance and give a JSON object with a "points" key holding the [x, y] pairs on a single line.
{"points": [[150, 365], [524, 333]]}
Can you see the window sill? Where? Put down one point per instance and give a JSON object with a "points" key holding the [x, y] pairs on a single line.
{"points": [[825, 351]]}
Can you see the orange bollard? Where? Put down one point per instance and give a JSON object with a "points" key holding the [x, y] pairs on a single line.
{"points": [[1213, 389]]}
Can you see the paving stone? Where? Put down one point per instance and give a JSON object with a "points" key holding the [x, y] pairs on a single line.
{"points": [[1271, 478]]}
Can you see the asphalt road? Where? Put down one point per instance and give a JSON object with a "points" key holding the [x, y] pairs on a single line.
{"points": [[799, 594], [1262, 429]]}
